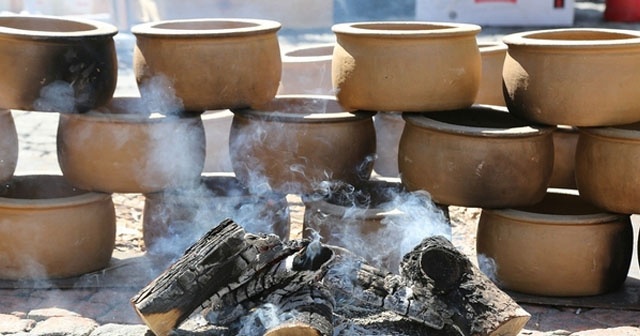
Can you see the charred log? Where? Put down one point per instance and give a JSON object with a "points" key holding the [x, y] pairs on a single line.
{"points": [[208, 266], [311, 312]]}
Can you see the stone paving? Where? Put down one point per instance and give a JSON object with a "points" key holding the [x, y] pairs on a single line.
{"points": [[107, 312]]}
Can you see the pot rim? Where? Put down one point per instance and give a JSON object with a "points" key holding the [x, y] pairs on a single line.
{"points": [[620, 132], [86, 197], [354, 211], [396, 29], [602, 217], [290, 57], [252, 27], [492, 47], [529, 39], [336, 114], [423, 120], [95, 28], [129, 118]]}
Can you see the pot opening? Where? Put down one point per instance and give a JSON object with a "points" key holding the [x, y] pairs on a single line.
{"points": [[44, 24], [373, 194], [478, 117], [580, 35], [563, 205], [38, 187], [399, 26], [311, 52], [205, 25]]}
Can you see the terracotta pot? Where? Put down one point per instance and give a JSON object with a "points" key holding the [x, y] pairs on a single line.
{"points": [[389, 126], [606, 167], [542, 68], [50, 229], [212, 64], [217, 125], [9, 145], [174, 219], [379, 220], [295, 142], [490, 91], [565, 140], [122, 149], [307, 70], [373, 62], [562, 246], [476, 157], [54, 64]]}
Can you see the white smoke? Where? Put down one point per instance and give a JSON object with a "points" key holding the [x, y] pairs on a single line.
{"points": [[58, 96], [262, 319], [381, 224], [489, 267]]}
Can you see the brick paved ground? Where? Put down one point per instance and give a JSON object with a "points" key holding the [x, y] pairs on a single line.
{"points": [[106, 311]]}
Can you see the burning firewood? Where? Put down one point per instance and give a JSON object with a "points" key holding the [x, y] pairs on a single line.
{"points": [[229, 273]]}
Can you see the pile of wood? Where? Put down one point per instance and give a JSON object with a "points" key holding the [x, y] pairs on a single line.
{"points": [[228, 273]]}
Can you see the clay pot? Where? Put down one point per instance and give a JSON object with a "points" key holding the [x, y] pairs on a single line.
{"points": [[562, 246], [122, 149], [307, 70], [211, 64], [476, 157], [50, 229], [295, 142], [490, 91], [389, 126], [565, 140], [9, 145], [406, 66], [54, 64], [379, 220], [174, 219], [606, 167], [217, 125], [555, 76]]}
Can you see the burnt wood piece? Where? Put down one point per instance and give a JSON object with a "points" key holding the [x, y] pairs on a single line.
{"points": [[437, 286], [477, 305], [211, 264], [294, 265], [311, 312]]}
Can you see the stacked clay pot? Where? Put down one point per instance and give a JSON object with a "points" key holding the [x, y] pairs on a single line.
{"points": [[51, 229], [125, 147], [295, 142], [406, 65], [561, 246], [481, 156], [307, 70], [57, 65], [212, 64]]}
